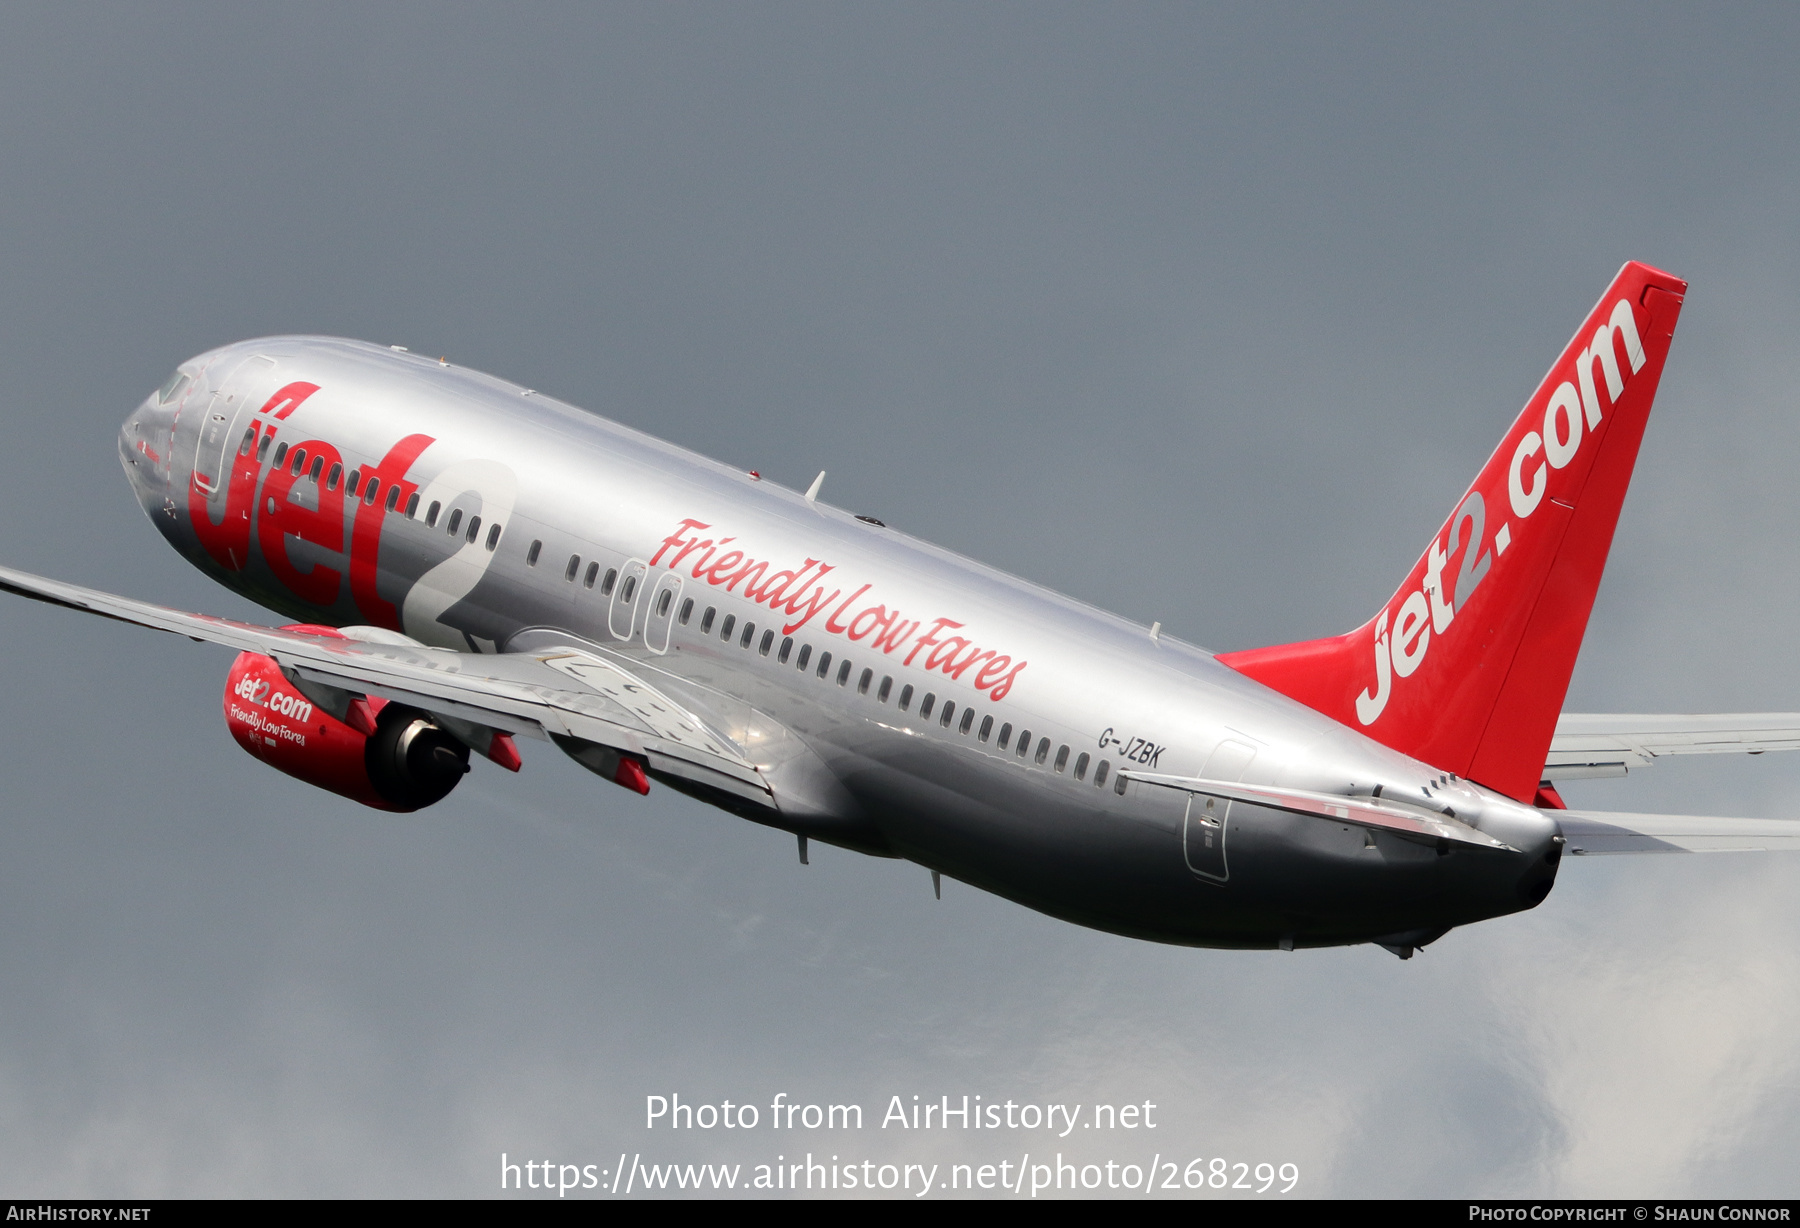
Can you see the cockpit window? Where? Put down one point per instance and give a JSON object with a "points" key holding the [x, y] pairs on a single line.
{"points": [[177, 385]]}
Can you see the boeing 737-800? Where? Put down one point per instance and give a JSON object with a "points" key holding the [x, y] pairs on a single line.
{"points": [[469, 562]]}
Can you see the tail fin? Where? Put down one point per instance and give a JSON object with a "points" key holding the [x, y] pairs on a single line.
{"points": [[1466, 666]]}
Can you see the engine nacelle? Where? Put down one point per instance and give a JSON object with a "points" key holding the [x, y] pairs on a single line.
{"points": [[399, 759]]}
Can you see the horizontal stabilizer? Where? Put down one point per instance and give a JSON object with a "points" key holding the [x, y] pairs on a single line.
{"points": [[1358, 811], [1598, 744], [1595, 832]]}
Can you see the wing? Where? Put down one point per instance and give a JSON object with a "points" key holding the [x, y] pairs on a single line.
{"points": [[1591, 832], [572, 695], [1598, 744]]}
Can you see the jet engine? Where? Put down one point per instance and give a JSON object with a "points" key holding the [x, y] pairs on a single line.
{"points": [[381, 754]]}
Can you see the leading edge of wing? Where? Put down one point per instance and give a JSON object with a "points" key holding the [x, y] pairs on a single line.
{"points": [[1601, 832], [560, 691]]}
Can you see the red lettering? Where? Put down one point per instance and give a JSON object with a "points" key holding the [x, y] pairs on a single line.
{"points": [[365, 537], [930, 637], [675, 539], [813, 606], [945, 652], [715, 575], [895, 638], [774, 594], [750, 568], [956, 669], [287, 399], [831, 624], [990, 673], [281, 517], [879, 617], [1006, 683]]}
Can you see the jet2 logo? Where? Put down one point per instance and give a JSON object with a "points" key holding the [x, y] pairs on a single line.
{"points": [[308, 497], [262, 693], [1572, 414]]}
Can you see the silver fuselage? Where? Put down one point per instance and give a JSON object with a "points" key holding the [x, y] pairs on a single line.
{"points": [[852, 766]]}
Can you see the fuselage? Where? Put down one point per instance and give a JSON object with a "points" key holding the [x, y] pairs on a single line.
{"points": [[904, 700]]}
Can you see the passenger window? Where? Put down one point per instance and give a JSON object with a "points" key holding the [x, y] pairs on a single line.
{"points": [[1081, 767], [887, 686], [1100, 773], [262, 449], [280, 455], [787, 646], [906, 697], [318, 467], [706, 621], [568, 572], [394, 502], [493, 535], [455, 523], [967, 720], [805, 652], [609, 579], [593, 571], [824, 664], [628, 590], [371, 490], [1005, 735], [1119, 783], [1024, 742], [1043, 751], [725, 631], [249, 441], [949, 711], [334, 477], [844, 673], [531, 555], [431, 515], [299, 462], [987, 727], [412, 505], [662, 607], [925, 706], [474, 522], [862, 683], [351, 485], [768, 642], [1062, 758], [749, 634], [687, 611]]}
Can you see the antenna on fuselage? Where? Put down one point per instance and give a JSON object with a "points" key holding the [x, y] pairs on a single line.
{"points": [[812, 492]]}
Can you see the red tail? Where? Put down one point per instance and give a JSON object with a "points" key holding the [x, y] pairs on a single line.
{"points": [[1467, 665]]}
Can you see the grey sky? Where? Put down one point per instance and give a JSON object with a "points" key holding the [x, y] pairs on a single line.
{"points": [[1204, 315]]}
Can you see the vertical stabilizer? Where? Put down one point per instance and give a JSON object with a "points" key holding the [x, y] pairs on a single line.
{"points": [[1466, 665]]}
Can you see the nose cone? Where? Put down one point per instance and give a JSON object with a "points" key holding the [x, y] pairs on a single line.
{"points": [[145, 441]]}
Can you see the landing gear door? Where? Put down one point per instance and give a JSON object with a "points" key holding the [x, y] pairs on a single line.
{"points": [[225, 417], [1203, 841], [627, 597], [661, 619]]}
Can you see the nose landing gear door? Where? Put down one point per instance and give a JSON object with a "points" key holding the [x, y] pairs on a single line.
{"points": [[1203, 841], [226, 417]]}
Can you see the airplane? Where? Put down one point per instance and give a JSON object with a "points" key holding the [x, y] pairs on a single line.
{"points": [[469, 562]]}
